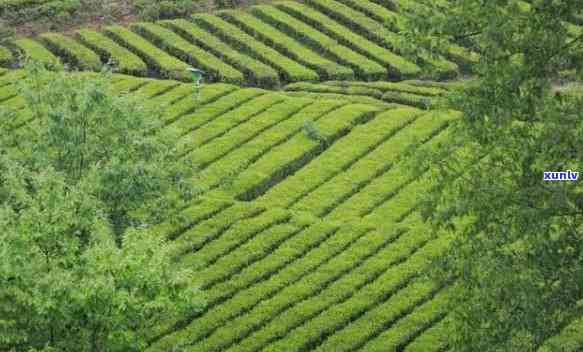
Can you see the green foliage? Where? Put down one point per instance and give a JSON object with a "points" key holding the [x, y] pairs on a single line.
{"points": [[103, 142], [519, 261], [291, 47], [312, 131], [75, 53], [6, 32], [255, 71], [225, 4], [64, 282], [569, 340], [163, 63], [118, 57], [79, 186], [155, 10], [283, 159], [216, 69], [321, 42], [332, 126], [362, 24], [33, 50], [56, 15], [289, 69]]}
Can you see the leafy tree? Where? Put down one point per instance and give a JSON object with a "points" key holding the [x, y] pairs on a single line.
{"points": [[111, 145], [519, 261], [64, 283], [79, 187]]}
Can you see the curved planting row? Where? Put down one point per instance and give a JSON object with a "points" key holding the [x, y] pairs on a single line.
{"points": [[421, 94], [267, 46], [308, 238], [282, 280]]}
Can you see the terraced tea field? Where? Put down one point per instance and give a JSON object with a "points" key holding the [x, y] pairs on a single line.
{"points": [[301, 244], [267, 46], [304, 245]]}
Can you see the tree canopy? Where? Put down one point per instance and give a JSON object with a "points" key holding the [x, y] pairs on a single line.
{"points": [[79, 187], [519, 261]]}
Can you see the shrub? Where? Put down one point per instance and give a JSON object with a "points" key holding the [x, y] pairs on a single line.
{"points": [[312, 131]]}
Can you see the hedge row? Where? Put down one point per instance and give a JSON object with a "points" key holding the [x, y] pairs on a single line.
{"points": [[355, 99], [374, 321], [244, 133], [192, 235], [380, 189], [343, 185], [402, 203], [238, 267], [243, 297], [302, 183], [33, 50], [213, 121], [72, 51], [163, 64], [233, 237], [290, 70], [364, 68], [124, 61], [399, 204], [155, 88], [406, 329], [419, 101], [340, 156], [377, 32], [15, 103], [181, 101], [392, 86], [298, 151], [569, 340], [215, 69], [210, 228], [376, 12], [197, 212], [398, 67], [196, 128], [346, 300], [127, 85], [325, 88], [289, 46], [256, 72], [287, 312], [433, 339], [280, 313], [255, 249], [6, 57], [290, 251], [449, 85], [287, 157], [255, 146], [283, 133]]}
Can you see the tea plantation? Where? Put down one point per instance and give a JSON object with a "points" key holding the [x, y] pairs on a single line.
{"points": [[308, 236]]}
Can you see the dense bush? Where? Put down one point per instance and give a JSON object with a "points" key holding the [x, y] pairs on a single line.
{"points": [[79, 185]]}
